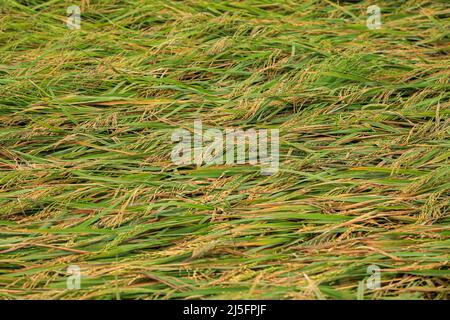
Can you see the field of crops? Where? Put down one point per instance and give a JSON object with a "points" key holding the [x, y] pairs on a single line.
{"points": [[88, 187]]}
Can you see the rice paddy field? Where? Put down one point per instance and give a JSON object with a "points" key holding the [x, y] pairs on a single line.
{"points": [[87, 180]]}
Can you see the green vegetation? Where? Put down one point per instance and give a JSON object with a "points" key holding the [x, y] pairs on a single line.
{"points": [[86, 177]]}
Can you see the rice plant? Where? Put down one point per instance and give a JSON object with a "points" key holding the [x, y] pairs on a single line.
{"points": [[89, 193]]}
